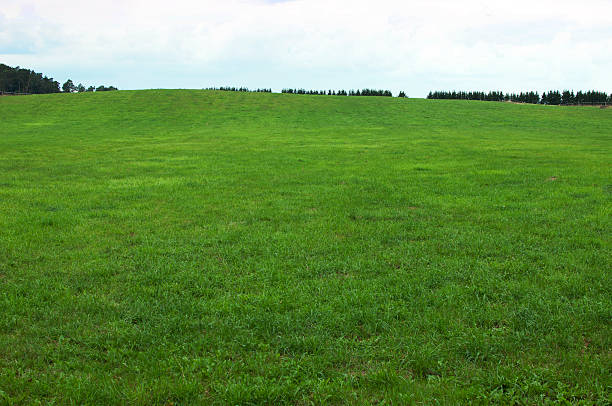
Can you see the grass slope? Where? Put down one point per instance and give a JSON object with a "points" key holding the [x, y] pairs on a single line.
{"points": [[194, 247]]}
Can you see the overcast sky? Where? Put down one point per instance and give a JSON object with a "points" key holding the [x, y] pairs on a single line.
{"points": [[414, 46]]}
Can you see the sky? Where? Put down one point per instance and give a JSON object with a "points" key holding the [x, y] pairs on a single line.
{"points": [[415, 46]]}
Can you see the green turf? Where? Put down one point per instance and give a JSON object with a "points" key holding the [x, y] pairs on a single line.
{"points": [[196, 247]]}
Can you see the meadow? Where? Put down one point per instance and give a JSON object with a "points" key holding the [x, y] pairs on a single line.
{"points": [[203, 247]]}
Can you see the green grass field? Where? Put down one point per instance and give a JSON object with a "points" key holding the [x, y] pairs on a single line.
{"points": [[198, 247]]}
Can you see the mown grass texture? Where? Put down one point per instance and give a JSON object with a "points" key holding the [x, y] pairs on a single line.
{"points": [[203, 247]]}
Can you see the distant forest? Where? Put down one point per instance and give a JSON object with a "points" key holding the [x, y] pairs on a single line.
{"points": [[239, 89], [553, 97], [20, 80], [363, 92]]}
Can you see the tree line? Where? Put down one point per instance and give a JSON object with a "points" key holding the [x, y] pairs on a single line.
{"points": [[239, 89], [362, 92], [69, 87], [20, 80], [553, 97], [569, 97]]}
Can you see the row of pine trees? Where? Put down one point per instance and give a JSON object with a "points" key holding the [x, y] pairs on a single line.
{"points": [[553, 97], [330, 92], [239, 89]]}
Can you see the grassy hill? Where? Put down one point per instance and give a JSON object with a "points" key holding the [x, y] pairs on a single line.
{"points": [[185, 247]]}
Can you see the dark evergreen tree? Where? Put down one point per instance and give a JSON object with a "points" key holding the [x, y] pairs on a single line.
{"points": [[568, 97], [68, 87]]}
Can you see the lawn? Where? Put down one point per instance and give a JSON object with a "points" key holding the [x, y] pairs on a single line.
{"points": [[202, 247]]}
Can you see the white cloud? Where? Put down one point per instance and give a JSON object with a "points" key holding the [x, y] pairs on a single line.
{"points": [[411, 45]]}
